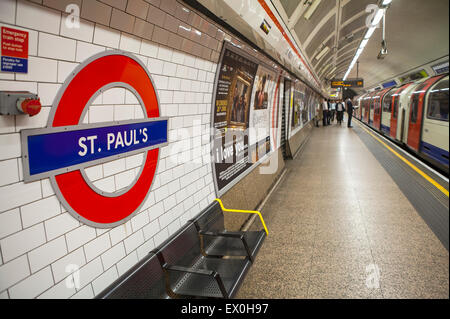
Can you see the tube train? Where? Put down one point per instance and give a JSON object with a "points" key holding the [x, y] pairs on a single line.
{"points": [[413, 114]]}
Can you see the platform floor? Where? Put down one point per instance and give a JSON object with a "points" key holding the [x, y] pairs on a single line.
{"points": [[340, 227]]}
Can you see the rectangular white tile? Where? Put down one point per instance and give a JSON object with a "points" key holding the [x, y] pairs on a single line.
{"points": [[13, 271], [33, 285], [60, 225], [39, 211], [46, 254], [19, 194], [56, 47], [22, 242], [37, 17]]}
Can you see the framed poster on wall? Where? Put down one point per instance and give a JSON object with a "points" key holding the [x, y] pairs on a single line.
{"points": [[243, 100]]}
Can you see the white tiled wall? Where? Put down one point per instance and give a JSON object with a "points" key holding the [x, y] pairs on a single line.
{"points": [[40, 242]]}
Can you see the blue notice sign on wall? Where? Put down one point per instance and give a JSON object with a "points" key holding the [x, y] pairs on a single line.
{"points": [[51, 151], [18, 65]]}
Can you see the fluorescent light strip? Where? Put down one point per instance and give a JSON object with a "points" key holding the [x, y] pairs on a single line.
{"points": [[369, 33], [363, 44], [378, 17]]}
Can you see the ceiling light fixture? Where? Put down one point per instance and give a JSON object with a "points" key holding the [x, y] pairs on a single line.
{"points": [[322, 53], [313, 4]]}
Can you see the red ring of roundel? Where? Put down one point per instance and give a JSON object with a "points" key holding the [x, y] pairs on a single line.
{"points": [[83, 200]]}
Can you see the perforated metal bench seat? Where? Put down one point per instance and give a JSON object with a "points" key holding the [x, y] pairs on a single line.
{"points": [[226, 246], [190, 273], [217, 241], [145, 280], [222, 278]]}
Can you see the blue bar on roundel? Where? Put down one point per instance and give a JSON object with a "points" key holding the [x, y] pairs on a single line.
{"points": [[52, 151]]}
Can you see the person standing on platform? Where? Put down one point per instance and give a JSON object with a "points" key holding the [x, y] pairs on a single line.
{"points": [[317, 114], [340, 111], [325, 112], [349, 111], [332, 111], [328, 111]]}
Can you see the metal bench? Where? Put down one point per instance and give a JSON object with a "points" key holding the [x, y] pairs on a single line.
{"points": [[191, 274], [219, 242], [145, 280], [202, 259]]}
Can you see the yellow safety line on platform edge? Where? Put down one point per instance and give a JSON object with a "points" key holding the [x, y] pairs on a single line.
{"points": [[428, 178], [245, 212]]}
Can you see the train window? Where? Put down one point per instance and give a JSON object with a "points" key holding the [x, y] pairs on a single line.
{"points": [[378, 105], [387, 102], [438, 102], [397, 99], [415, 102]]}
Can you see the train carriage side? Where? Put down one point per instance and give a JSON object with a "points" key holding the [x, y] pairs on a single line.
{"points": [[416, 112], [394, 125], [366, 105], [434, 143], [378, 97], [359, 110], [403, 108]]}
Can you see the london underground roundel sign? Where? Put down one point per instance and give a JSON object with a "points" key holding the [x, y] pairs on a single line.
{"points": [[66, 147]]}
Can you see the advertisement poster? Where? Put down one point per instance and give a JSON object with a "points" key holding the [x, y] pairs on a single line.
{"points": [[297, 108], [276, 115], [306, 106], [261, 111], [246, 113], [231, 117]]}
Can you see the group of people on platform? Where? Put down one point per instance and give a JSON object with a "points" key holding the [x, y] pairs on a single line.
{"points": [[328, 110]]}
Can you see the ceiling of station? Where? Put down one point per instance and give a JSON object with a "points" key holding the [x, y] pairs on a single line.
{"points": [[328, 32], [416, 33]]}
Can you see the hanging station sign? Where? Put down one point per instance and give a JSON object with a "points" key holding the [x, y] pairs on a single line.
{"points": [[63, 149], [350, 83]]}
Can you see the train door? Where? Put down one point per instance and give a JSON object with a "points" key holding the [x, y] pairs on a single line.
{"points": [[416, 113], [386, 111], [371, 108], [285, 116], [366, 104], [395, 109], [361, 107], [377, 109], [403, 111], [359, 112]]}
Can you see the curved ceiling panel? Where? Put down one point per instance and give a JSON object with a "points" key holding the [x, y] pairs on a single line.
{"points": [[417, 33], [344, 62], [353, 8], [355, 34], [329, 44], [321, 35], [355, 24], [289, 6], [324, 60], [348, 46], [303, 28]]}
